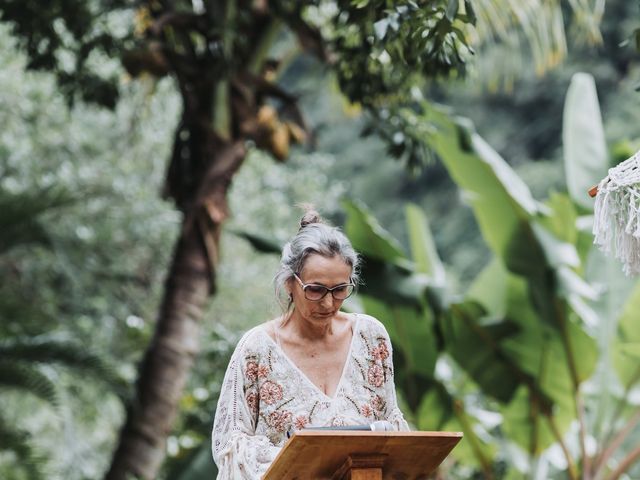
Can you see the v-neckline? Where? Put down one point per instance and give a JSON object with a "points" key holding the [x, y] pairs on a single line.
{"points": [[304, 375]]}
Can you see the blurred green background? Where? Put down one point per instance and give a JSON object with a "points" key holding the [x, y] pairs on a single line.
{"points": [[462, 182]]}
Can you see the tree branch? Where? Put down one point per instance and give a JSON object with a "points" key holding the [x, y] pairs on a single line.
{"points": [[573, 472], [617, 413], [181, 21], [615, 443], [459, 412], [629, 460], [579, 406]]}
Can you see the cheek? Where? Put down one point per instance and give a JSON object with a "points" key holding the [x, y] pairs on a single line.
{"points": [[300, 302]]}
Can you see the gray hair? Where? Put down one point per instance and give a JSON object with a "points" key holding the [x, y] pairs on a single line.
{"points": [[314, 237]]}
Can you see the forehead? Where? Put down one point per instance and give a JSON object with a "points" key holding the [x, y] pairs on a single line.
{"points": [[325, 270]]}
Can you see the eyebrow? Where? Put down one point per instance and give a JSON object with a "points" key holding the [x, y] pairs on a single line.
{"points": [[323, 285]]}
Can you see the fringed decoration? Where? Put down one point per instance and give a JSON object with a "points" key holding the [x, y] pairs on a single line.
{"points": [[616, 224]]}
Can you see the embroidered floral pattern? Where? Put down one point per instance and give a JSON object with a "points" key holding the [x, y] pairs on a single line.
{"points": [[279, 420], [379, 360], [252, 402], [263, 371], [300, 422], [251, 371], [375, 375], [270, 392], [381, 352], [378, 403], [366, 410]]}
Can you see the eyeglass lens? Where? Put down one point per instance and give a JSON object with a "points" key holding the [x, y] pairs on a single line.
{"points": [[317, 292]]}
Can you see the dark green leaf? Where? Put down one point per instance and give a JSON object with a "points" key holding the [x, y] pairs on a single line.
{"points": [[262, 243], [452, 10], [470, 12], [411, 332], [585, 151], [28, 379], [475, 343], [368, 237]]}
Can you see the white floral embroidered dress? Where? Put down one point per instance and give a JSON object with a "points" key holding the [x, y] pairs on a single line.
{"points": [[264, 395]]}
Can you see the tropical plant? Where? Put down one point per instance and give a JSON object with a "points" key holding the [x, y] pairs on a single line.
{"points": [[524, 333], [29, 366], [28, 362], [535, 364], [517, 39]]}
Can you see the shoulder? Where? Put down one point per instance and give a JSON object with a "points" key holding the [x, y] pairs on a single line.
{"points": [[371, 326], [253, 341], [377, 344]]}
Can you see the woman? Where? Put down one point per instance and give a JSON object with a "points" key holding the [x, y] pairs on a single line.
{"points": [[312, 366]]}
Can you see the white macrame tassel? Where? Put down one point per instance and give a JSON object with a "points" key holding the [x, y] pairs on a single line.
{"points": [[616, 224]]}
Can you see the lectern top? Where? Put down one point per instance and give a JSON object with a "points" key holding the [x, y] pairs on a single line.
{"points": [[318, 454]]}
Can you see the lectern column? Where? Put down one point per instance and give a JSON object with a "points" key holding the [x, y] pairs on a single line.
{"points": [[361, 467]]}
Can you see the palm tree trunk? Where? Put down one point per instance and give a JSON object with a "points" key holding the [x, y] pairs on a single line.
{"points": [[170, 355], [167, 361]]}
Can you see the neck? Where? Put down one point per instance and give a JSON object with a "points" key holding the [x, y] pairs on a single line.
{"points": [[310, 330]]}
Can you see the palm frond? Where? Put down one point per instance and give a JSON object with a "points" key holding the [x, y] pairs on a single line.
{"points": [[27, 378], [47, 349], [536, 26], [587, 15], [20, 215], [18, 314], [27, 458]]}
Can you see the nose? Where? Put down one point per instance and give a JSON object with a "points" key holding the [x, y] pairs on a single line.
{"points": [[327, 301]]}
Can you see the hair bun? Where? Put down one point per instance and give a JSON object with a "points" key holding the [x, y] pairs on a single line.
{"points": [[310, 216]]}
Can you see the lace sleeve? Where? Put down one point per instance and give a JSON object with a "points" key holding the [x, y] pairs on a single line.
{"points": [[394, 414], [238, 452]]}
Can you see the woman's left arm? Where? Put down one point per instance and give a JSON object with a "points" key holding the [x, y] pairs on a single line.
{"points": [[393, 415]]}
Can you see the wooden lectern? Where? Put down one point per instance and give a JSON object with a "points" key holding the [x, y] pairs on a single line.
{"points": [[358, 455]]}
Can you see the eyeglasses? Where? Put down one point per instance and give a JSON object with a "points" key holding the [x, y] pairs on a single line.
{"points": [[315, 292]]}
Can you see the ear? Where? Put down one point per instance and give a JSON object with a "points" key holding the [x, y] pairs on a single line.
{"points": [[288, 286]]}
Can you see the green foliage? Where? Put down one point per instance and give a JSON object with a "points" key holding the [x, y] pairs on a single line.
{"points": [[526, 39], [218, 53], [19, 214], [507, 351], [626, 348], [76, 194], [476, 343], [383, 47], [197, 466], [396, 282], [419, 332], [29, 366], [423, 248], [59, 351], [66, 37], [28, 464], [490, 186], [372, 240], [583, 139], [527, 344], [27, 362], [14, 374]]}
